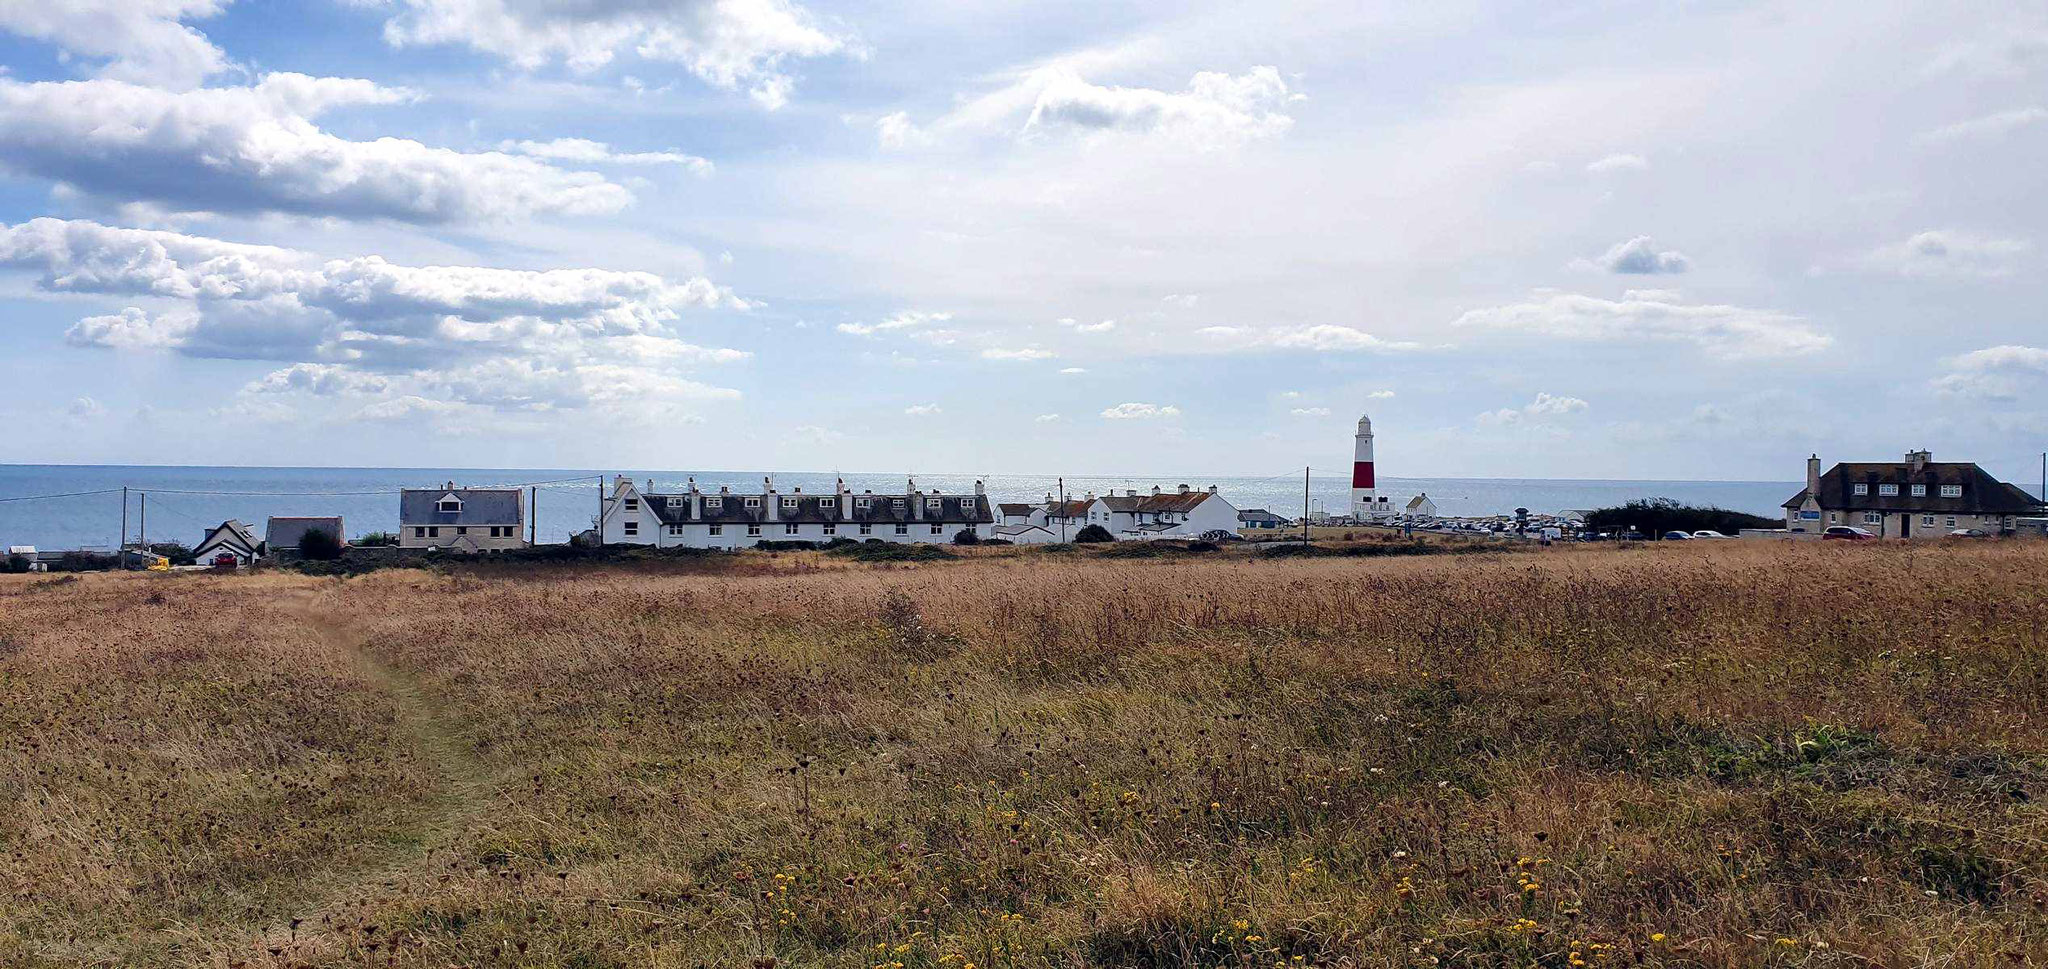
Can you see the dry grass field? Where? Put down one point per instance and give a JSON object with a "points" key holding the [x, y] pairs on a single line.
{"points": [[1723, 754]]}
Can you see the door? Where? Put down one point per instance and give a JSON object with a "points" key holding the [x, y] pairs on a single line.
{"points": [[1905, 526]]}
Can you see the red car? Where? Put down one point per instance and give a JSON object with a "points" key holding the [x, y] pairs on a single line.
{"points": [[1848, 533]]}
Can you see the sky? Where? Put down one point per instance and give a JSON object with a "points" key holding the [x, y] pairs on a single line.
{"points": [[1674, 240]]}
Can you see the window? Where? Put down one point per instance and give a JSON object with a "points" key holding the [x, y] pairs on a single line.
{"points": [[753, 502], [632, 504], [1887, 491], [1951, 521], [789, 529], [753, 529], [828, 502], [903, 529], [419, 532], [831, 529], [677, 530], [433, 531], [897, 502], [789, 502], [863, 503], [1920, 491], [714, 503], [632, 528], [449, 505], [718, 529], [934, 503], [1873, 518], [1927, 520], [1862, 489], [1951, 491], [1834, 518], [675, 502], [938, 529], [462, 529], [866, 529]]}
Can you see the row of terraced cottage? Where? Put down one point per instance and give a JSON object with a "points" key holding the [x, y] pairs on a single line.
{"points": [[722, 519]]}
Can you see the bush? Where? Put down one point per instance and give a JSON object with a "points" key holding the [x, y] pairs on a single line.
{"points": [[318, 545], [879, 551], [1655, 516], [18, 563], [786, 545], [967, 536], [177, 552], [1093, 534], [83, 562], [376, 539]]}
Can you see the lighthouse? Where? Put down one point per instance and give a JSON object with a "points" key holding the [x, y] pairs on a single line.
{"points": [[1365, 500]]}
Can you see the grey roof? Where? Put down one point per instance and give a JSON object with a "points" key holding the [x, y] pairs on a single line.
{"points": [[1258, 515], [480, 506], [877, 510], [234, 531], [287, 532], [1982, 493]]}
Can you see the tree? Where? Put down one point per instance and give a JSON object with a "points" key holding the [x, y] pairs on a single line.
{"points": [[1655, 516], [316, 545], [967, 536], [177, 552], [1093, 534], [377, 539], [18, 563]]}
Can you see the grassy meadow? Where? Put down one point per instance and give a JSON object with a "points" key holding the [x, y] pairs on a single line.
{"points": [[1696, 754]]}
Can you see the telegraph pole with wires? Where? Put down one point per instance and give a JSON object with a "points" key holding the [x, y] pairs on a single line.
{"points": [[600, 511], [142, 529], [1304, 506], [120, 551], [1063, 509]]}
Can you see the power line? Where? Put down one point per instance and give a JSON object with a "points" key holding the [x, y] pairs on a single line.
{"points": [[73, 494]]}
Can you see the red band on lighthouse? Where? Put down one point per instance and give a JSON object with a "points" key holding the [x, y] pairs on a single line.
{"points": [[1361, 474]]}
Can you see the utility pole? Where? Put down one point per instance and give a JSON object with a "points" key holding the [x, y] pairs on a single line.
{"points": [[121, 550], [1063, 509], [600, 511], [143, 538], [533, 515], [1304, 506]]}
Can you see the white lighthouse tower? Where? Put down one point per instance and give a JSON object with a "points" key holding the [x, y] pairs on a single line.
{"points": [[1365, 499]]}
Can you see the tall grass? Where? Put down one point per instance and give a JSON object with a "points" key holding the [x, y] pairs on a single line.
{"points": [[1733, 755]]}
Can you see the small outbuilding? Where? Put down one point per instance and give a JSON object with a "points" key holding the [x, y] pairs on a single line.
{"points": [[285, 534], [1421, 507]]}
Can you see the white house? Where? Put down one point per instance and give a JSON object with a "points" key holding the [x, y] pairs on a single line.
{"points": [[700, 519], [1184, 513], [462, 519], [1420, 507], [231, 542], [1025, 524]]}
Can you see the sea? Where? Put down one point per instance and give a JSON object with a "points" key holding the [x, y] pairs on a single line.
{"points": [[81, 506]]}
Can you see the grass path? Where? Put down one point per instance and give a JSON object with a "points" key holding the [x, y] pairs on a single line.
{"points": [[463, 789]]}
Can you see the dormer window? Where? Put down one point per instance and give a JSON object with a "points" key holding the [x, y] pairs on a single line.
{"points": [[1862, 489], [1887, 491], [449, 504], [1919, 491], [864, 503], [828, 502], [675, 502], [934, 503], [1951, 491], [789, 502], [897, 503], [714, 503], [753, 502]]}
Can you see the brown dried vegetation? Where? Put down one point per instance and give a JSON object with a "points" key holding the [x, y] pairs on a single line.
{"points": [[1715, 755]]}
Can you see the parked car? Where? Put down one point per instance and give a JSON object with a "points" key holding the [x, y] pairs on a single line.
{"points": [[1708, 533], [1633, 536], [1848, 533], [1677, 536], [1969, 533]]}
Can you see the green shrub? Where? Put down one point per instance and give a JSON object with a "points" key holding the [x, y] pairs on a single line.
{"points": [[967, 536], [1655, 516], [376, 539], [1093, 534], [318, 545]]}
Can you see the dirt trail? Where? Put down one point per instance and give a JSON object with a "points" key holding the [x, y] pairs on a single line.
{"points": [[463, 789]]}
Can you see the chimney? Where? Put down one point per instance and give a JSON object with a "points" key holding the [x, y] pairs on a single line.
{"points": [[650, 486], [696, 501], [1184, 489], [771, 503], [1155, 492], [1212, 489], [1918, 460], [978, 488], [1813, 474]]}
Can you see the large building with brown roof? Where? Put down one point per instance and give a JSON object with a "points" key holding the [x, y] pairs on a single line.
{"points": [[1917, 497]]}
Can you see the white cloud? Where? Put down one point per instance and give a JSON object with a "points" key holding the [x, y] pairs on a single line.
{"points": [[922, 410], [1727, 332], [1988, 127], [1103, 327], [896, 130], [1321, 338], [143, 40], [86, 408], [729, 44], [408, 407], [1639, 257], [2004, 52], [1022, 353], [1046, 418], [256, 149], [1947, 253], [1217, 110], [1138, 411], [133, 329], [2001, 373], [1073, 370], [1186, 301], [902, 321], [585, 151], [1310, 412], [506, 338], [1544, 407], [1380, 395], [1618, 163]]}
